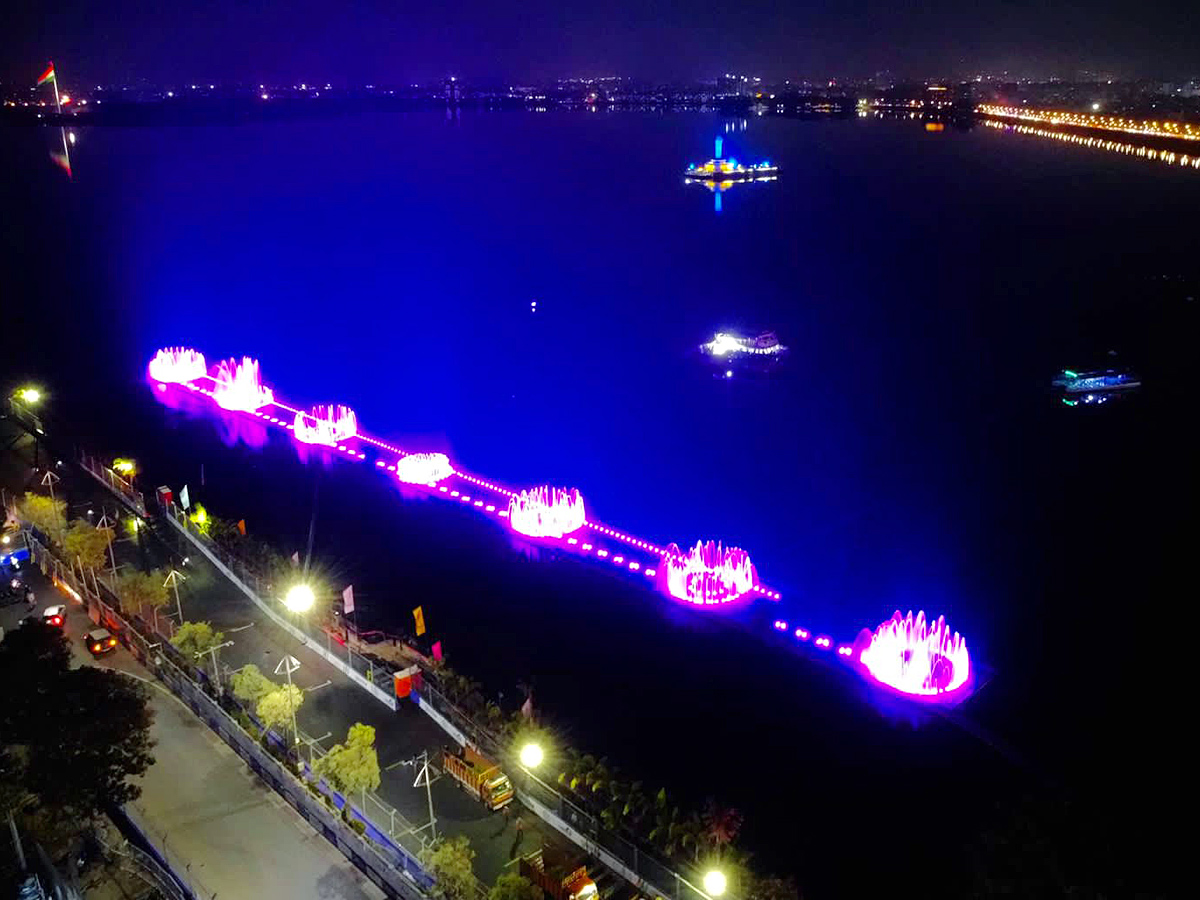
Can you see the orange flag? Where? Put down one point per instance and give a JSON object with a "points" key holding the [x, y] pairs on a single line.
{"points": [[242, 526]]}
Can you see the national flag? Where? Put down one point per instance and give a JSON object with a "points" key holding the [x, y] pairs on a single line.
{"points": [[296, 560], [419, 618], [184, 500], [48, 75], [348, 599], [437, 650], [242, 527]]}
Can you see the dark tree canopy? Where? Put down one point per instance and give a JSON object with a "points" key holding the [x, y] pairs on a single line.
{"points": [[71, 737]]}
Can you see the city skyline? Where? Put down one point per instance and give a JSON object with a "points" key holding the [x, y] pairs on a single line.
{"points": [[486, 41]]}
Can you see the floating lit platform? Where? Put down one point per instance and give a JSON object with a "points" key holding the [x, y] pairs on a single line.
{"points": [[719, 174], [1073, 382], [726, 346]]}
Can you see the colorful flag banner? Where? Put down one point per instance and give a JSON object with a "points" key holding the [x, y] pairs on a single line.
{"points": [[48, 75], [419, 618], [348, 599]]}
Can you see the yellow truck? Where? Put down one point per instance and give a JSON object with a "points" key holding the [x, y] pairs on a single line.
{"points": [[478, 775]]}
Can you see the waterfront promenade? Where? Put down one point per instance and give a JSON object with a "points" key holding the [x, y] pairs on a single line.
{"points": [[332, 702]]}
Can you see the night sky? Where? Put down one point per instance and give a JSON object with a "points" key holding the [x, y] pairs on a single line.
{"points": [[361, 41]]}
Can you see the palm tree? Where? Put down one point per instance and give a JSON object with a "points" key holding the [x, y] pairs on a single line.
{"points": [[721, 825]]}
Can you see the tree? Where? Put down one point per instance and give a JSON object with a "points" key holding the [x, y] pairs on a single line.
{"points": [[721, 824], [511, 886], [448, 860], [71, 737], [94, 736], [278, 707], [141, 589], [771, 887], [194, 638], [87, 543], [352, 767], [42, 513], [251, 685]]}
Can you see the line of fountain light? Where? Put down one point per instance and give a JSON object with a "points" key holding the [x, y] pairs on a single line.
{"points": [[239, 387], [329, 425], [896, 643], [708, 573], [177, 365], [546, 512], [423, 468], [1170, 157]]}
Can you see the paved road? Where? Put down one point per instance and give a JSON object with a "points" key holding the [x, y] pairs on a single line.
{"points": [[221, 828], [332, 702]]}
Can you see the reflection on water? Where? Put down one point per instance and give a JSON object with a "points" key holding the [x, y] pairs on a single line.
{"points": [[1170, 157], [62, 158]]}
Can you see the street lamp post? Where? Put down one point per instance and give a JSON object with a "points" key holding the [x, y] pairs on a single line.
{"points": [[173, 579], [290, 664]]}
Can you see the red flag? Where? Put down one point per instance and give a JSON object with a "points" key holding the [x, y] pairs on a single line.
{"points": [[48, 75]]}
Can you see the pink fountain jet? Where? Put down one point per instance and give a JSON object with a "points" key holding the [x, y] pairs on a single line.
{"points": [[177, 365], [423, 468], [707, 574], [238, 386], [546, 512], [913, 657], [328, 425]]}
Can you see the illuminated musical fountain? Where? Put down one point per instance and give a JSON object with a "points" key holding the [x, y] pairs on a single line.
{"points": [[328, 425], [546, 512], [707, 574], [423, 468], [177, 365], [906, 655], [921, 660], [237, 386]]}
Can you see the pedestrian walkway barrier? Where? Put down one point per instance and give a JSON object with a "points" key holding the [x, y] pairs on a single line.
{"points": [[632, 862], [396, 870]]}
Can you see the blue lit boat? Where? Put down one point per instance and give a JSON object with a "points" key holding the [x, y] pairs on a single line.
{"points": [[1096, 381], [723, 171]]}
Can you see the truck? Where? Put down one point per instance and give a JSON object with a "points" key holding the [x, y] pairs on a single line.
{"points": [[561, 874], [478, 776]]}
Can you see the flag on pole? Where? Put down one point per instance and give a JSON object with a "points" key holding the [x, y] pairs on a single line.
{"points": [[48, 75], [242, 526], [62, 161], [348, 599], [296, 560], [184, 500], [437, 650], [419, 618]]}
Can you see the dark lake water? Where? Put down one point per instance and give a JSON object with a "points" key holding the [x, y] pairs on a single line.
{"points": [[909, 455]]}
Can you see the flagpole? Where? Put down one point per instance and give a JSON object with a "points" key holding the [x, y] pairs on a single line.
{"points": [[54, 80]]}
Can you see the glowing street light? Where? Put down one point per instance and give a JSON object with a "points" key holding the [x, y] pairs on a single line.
{"points": [[126, 467], [30, 395], [300, 598], [714, 883], [532, 756]]}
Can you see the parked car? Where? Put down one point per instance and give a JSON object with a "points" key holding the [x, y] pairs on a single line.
{"points": [[55, 615], [99, 641]]}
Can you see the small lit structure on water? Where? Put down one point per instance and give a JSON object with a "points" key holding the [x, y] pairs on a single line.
{"points": [[922, 660], [707, 574], [423, 468], [239, 387], [328, 425], [546, 512], [177, 365], [731, 345]]}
